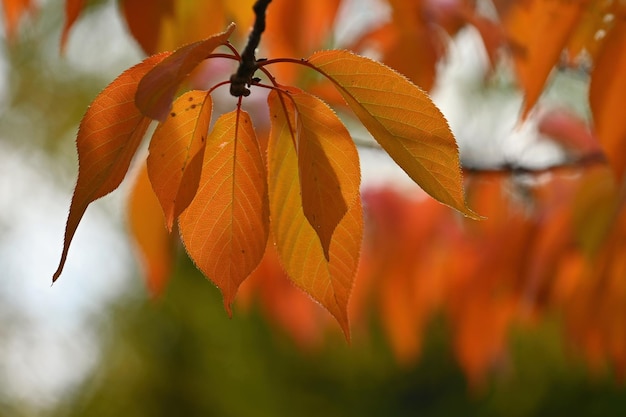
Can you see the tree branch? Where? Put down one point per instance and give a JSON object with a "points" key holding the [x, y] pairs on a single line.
{"points": [[580, 162], [243, 78]]}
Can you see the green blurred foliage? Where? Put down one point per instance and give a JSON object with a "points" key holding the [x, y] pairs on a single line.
{"points": [[182, 356]]}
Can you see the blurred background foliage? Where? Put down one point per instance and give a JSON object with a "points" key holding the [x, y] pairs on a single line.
{"points": [[180, 354]]}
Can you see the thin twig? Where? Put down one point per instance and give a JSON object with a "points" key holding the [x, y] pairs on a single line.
{"points": [[243, 78]]}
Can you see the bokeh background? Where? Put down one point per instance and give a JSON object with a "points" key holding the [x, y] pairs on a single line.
{"points": [[97, 344]]}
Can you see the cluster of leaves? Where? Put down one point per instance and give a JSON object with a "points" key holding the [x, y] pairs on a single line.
{"points": [[564, 235], [214, 179]]}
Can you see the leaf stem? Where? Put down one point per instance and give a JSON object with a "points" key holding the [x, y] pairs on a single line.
{"points": [[243, 78]]}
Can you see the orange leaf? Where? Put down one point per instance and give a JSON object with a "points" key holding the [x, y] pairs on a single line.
{"points": [[225, 228], [169, 24], [145, 23], [13, 12], [328, 165], [158, 87], [108, 137], [329, 281], [411, 33], [607, 96], [539, 32], [295, 28], [154, 245], [594, 209], [72, 11], [176, 153], [585, 38], [403, 119]]}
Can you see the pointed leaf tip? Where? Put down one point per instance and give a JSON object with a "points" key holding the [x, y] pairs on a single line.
{"points": [[73, 8], [404, 121], [106, 143], [225, 228], [326, 279], [158, 87], [328, 165]]}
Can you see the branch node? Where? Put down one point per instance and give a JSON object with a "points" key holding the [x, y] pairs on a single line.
{"points": [[244, 77]]}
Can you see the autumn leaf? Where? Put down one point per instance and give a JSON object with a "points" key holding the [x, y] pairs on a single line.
{"points": [[176, 152], [108, 137], [403, 120], [145, 23], [225, 228], [328, 165], [411, 32], [169, 24], [327, 280], [585, 37], [13, 12], [154, 246], [158, 87], [594, 209], [72, 11], [295, 28], [607, 96], [539, 31]]}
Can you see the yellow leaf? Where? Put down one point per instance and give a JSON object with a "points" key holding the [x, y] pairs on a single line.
{"points": [[176, 152], [225, 228], [403, 119], [329, 281], [328, 165]]}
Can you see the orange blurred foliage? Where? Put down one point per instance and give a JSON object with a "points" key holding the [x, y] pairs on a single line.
{"points": [[553, 241], [14, 10]]}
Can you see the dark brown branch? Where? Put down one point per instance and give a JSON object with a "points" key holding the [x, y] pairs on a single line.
{"points": [[243, 78], [583, 161], [580, 162]]}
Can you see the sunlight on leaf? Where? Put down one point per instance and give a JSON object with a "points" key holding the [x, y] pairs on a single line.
{"points": [[154, 245], [177, 150], [158, 88], [328, 163], [403, 119], [225, 228], [107, 140], [300, 251]]}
